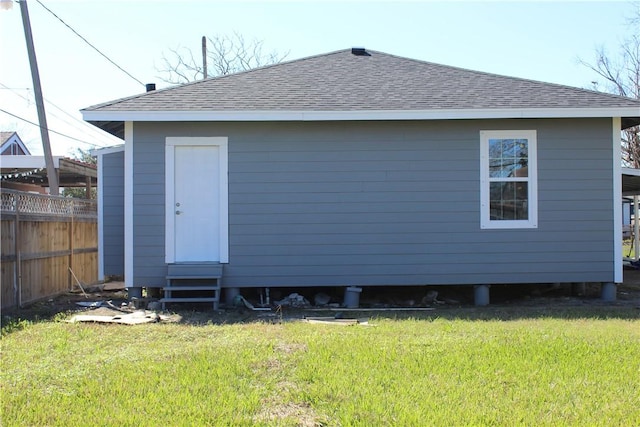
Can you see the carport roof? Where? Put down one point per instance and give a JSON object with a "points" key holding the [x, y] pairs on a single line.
{"points": [[630, 181], [32, 170]]}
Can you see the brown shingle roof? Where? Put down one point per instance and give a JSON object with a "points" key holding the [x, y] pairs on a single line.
{"points": [[341, 81], [4, 136]]}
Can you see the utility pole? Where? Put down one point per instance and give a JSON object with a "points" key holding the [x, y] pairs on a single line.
{"points": [[52, 175], [204, 57]]}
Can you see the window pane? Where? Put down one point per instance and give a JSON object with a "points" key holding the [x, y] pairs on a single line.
{"points": [[508, 158], [521, 156], [495, 158], [495, 168], [495, 148], [522, 191], [508, 200]]}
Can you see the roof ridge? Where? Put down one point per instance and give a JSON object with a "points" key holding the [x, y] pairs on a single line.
{"points": [[339, 81], [208, 79], [523, 79], [275, 64]]}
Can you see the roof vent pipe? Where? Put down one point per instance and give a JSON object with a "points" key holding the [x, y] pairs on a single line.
{"points": [[359, 51], [150, 87]]}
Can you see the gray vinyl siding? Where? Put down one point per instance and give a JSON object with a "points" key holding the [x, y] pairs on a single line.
{"points": [[113, 213], [387, 203]]}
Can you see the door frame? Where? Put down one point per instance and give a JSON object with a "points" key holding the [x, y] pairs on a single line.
{"points": [[223, 167]]}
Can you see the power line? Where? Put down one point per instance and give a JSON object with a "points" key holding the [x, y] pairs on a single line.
{"points": [[87, 42], [86, 126], [50, 130]]}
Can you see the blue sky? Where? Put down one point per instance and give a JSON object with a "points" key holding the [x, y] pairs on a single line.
{"points": [[539, 40]]}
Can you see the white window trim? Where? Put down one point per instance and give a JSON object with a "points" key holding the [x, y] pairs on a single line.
{"points": [[485, 218], [170, 144]]}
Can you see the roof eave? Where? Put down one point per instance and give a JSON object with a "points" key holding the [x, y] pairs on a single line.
{"points": [[112, 120]]}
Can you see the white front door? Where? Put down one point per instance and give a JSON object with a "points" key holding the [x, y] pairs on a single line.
{"points": [[196, 193]]}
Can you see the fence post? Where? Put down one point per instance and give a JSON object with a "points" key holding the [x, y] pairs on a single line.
{"points": [[70, 204], [17, 286], [15, 249]]}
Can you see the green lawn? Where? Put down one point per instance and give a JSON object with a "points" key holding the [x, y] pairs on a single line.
{"points": [[410, 372]]}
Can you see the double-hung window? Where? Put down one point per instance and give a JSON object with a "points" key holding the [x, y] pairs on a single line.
{"points": [[508, 179]]}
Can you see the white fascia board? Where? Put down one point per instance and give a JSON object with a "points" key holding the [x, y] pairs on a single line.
{"points": [[294, 115], [27, 162], [107, 150], [630, 171]]}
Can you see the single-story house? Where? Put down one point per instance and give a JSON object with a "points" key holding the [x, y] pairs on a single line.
{"points": [[360, 168]]}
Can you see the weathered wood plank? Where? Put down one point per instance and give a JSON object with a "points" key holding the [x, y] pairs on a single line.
{"points": [[40, 255], [36, 253]]}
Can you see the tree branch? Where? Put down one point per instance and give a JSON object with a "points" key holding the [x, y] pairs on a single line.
{"points": [[623, 78]]}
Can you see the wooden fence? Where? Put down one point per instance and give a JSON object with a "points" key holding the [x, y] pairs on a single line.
{"points": [[43, 239]]}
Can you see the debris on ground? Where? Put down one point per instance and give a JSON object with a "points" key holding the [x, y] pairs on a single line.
{"points": [[293, 300], [113, 286], [239, 301], [125, 307], [431, 298], [392, 302], [135, 318], [321, 299], [90, 304], [336, 321], [154, 306]]}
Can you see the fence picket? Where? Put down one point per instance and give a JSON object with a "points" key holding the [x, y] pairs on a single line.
{"points": [[44, 236]]}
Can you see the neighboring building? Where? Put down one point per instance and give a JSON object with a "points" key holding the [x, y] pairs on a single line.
{"points": [[366, 169], [12, 145], [21, 171]]}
